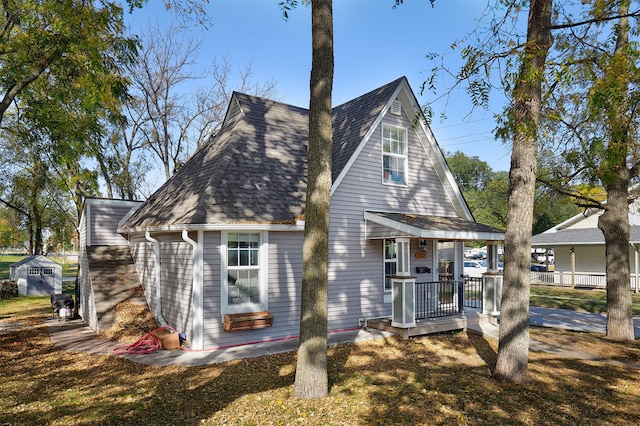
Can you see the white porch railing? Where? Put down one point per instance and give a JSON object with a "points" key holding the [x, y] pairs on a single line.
{"points": [[579, 279]]}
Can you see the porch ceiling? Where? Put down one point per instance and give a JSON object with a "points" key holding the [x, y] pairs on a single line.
{"points": [[428, 227]]}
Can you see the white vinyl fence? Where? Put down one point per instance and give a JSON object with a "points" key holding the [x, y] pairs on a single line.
{"points": [[578, 279]]}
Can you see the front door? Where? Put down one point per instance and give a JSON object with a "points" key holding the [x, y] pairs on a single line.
{"points": [[446, 260]]}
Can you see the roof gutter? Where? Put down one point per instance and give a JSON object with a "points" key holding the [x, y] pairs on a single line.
{"points": [[197, 288], [298, 225], [156, 245]]}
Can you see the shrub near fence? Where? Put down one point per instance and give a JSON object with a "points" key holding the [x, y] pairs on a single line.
{"points": [[8, 289]]}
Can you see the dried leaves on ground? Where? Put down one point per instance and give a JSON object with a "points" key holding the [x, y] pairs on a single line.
{"points": [[132, 321], [440, 379]]}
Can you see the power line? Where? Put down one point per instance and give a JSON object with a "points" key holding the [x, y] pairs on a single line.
{"points": [[466, 136], [461, 124]]}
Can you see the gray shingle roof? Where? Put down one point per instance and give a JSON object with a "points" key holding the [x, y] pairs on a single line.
{"points": [[254, 170], [577, 236], [353, 119]]}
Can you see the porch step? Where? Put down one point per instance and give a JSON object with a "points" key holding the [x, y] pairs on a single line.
{"points": [[470, 319]]}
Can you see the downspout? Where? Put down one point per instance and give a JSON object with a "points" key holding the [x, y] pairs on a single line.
{"points": [[156, 245], [197, 298]]}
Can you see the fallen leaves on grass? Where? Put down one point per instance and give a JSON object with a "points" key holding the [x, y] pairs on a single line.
{"points": [[439, 379]]}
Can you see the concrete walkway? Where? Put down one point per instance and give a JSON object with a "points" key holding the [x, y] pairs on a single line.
{"points": [[76, 336], [567, 320]]}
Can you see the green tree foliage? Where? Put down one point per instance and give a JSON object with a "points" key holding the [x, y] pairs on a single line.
{"points": [[484, 190], [60, 80], [489, 205], [470, 173], [73, 43], [486, 193], [11, 236]]}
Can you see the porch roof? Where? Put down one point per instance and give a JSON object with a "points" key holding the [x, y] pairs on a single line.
{"points": [[381, 225], [578, 236]]}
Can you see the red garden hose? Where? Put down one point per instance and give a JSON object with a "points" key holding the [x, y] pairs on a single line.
{"points": [[147, 344]]}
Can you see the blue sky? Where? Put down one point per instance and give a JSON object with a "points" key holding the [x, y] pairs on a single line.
{"points": [[374, 44]]}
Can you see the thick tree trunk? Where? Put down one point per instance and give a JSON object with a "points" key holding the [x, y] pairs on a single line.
{"points": [[311, 371], [513, 349], [615, 176], [614, 223]]}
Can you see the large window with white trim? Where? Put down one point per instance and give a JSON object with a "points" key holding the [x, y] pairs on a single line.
{"points": [[244, 289], [390, 263], [394, 155]]}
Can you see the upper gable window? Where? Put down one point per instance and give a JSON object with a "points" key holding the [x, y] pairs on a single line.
{"points": [[394, 155]]}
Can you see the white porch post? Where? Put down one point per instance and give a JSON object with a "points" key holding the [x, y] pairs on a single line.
{"points": [[492, 282], [573, 266], [492, 256], [636, 257], [403, 286]]}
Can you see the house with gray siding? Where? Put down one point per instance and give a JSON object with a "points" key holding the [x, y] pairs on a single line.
{"points": [[579, 249], [220, 243], [106, 273]]}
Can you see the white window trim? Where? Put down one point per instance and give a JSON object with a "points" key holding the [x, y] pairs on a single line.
{"points": [[262, 275], [33, 271], [390, 154], [384, 265]]}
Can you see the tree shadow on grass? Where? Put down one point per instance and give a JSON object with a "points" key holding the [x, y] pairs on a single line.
{"points": [[484, 349]]}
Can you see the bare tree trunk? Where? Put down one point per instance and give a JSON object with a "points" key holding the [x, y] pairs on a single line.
{"points": [[311, 371], [614, 222], [513, 349]]}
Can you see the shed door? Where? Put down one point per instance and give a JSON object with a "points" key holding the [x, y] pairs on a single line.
{"points": [[40, 281]]}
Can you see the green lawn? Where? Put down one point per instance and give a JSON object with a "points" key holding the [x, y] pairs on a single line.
{"points": [[579, 300]]}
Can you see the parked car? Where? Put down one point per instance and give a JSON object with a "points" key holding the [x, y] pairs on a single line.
{"points": [[474, 268], [538, 268], [479, 255]]}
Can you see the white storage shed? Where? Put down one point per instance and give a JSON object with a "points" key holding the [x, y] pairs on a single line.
{"points": [[37, 276]]}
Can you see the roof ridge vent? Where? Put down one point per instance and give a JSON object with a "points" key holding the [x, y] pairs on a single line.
{"points": [[396, 107]]}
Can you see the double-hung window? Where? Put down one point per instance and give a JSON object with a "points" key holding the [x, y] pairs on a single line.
{"points": [[390, 263], [243, 284], [394, 155]]}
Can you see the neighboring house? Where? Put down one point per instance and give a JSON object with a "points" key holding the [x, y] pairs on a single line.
{"points": [[222, 238], [579, 249], [37, 276], [106, 273]]}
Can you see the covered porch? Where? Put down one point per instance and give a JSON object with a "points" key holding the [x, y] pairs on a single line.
{"points": [[441, 306], [427, 288]]}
